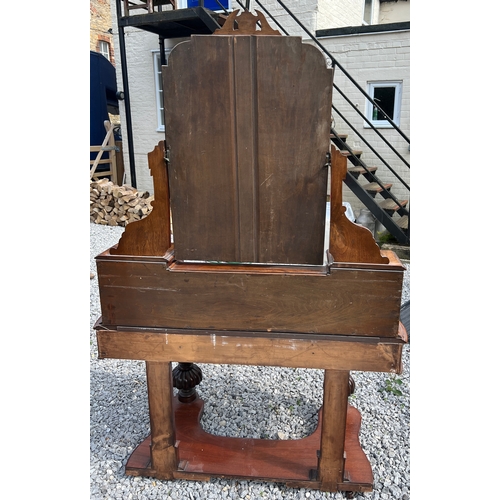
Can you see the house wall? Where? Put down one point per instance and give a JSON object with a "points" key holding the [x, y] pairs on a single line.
{"points": [[100, 23], [316, 14], [372, 57], [140, 47], [334, 14], [394, 12], [305, 10], [381, 56]]}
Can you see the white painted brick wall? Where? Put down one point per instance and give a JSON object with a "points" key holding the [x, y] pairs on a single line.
{"points": [[140, 64], [366, 57], [142, 104], [305, 10], [335, 14], [374, 57], [394, 12], [315, 15]]}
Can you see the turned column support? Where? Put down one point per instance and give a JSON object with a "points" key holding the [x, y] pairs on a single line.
{"points": [[352, 385], [186, 376]]}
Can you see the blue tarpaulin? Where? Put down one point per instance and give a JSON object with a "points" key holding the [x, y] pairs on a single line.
{"points": [[103, 98]]}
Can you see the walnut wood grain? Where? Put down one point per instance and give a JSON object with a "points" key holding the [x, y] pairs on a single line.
{"points": [[150, 236], [247, 123], [163, 453], [331, 461], [349, 242], [222, 347], [345, 301], [247, 171], [246, 24]]}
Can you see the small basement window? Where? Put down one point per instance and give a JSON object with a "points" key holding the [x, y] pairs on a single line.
{"points": [[387, 95]]}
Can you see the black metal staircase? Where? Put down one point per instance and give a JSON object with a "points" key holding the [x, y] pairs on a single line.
{"points": [[361, 179], [367, 193], [364, 183], [175, 23]]}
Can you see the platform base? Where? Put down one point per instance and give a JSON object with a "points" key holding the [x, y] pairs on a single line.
{"points": [[202, 456]]}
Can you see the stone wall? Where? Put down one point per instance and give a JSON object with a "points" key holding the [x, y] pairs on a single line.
{"points": [[100, 24]]}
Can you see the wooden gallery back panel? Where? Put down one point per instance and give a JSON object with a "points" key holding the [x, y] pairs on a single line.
{"points": [[260, 194], [342, 301]]}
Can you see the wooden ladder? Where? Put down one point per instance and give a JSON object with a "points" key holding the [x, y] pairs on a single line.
{"points": [[108, 145]]}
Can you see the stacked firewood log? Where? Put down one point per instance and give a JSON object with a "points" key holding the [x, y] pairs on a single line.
{"points": [[114, 205]]}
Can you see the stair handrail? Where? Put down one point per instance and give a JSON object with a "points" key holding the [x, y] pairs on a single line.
{"points": [[372, 149], [338, 65], [375, 178], [353, 106]]}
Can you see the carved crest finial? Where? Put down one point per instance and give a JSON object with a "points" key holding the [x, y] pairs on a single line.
{"points": [[246, 24]]}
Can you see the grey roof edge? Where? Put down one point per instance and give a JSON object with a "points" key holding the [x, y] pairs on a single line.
{"points": [[364, 29]]}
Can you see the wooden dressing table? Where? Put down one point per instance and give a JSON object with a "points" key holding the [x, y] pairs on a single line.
{"points": [[243, 179]]}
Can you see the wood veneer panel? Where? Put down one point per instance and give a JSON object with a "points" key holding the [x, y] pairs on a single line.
{"points": [[294, 116], [199, 133], [248, 145], [345, 302], [220, 348]]}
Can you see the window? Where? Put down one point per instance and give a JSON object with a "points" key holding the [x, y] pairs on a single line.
{"points": [[368, 12], [104, 49], [209, 4], [159, 89], [387, 95]]}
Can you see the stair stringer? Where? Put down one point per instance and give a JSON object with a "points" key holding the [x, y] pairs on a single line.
{"points": [[369, 201]]}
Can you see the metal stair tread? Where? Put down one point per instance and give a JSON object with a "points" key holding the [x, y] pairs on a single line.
{"points": [[389, 204], [362, 170], [403, 222], [355, 152], [374, 187]]}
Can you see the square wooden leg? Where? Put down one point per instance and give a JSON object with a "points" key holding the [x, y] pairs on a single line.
{"points": [[331, 460], [163, 453]]}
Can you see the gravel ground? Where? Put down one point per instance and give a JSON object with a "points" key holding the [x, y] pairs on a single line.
{"points": [[240, 401]]}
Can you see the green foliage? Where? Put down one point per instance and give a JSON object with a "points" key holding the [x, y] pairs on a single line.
{"points": [[387, 237], [391, 386]]}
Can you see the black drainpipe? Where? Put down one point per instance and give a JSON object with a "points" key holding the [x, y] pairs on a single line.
{"points": [[128, 117]]}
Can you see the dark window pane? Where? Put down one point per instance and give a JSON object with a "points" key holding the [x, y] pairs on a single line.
{"points": [[385, 98]]}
